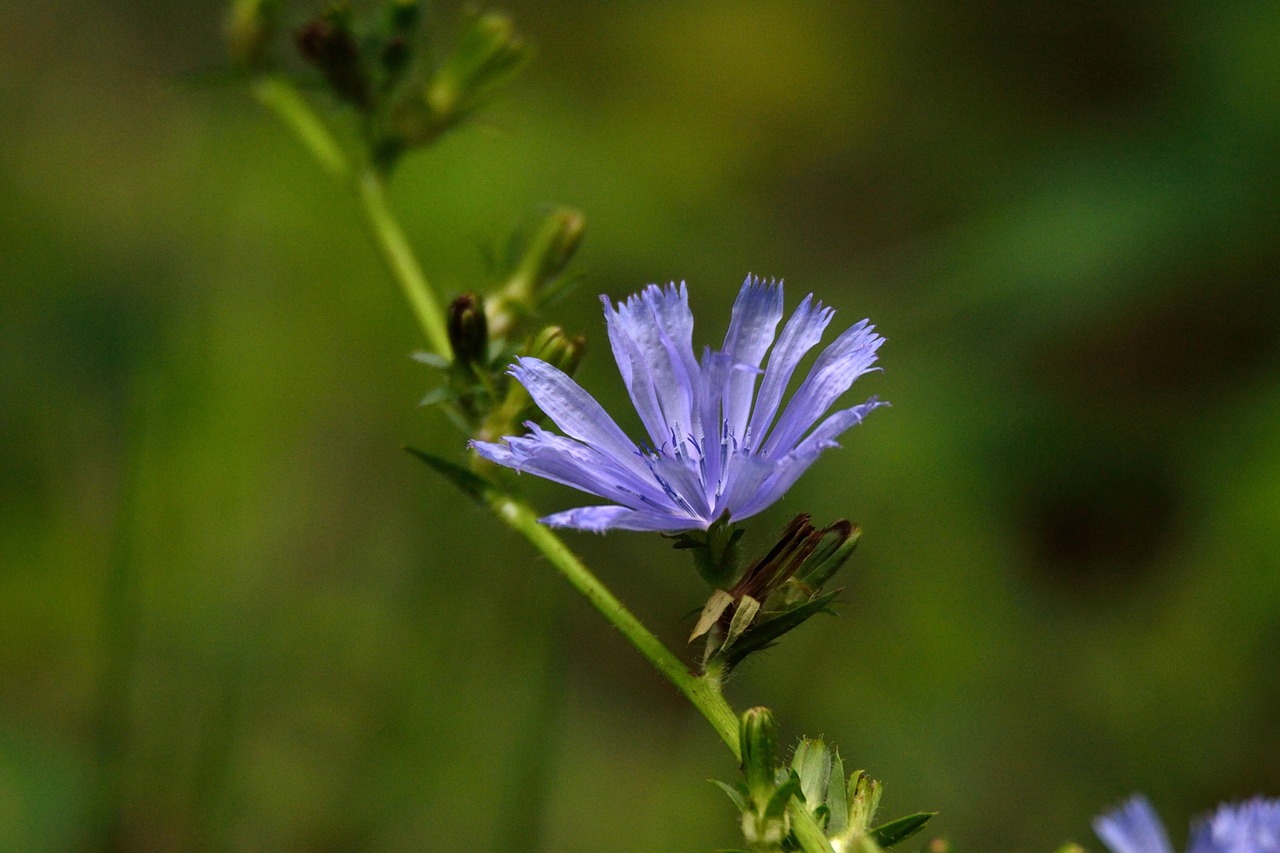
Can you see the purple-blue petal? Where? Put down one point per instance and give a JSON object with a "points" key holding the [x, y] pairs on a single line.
{"points": [[849, 356], [756, 313], [1134, 827], [1249, 827], [801, 334], [598, 519]]}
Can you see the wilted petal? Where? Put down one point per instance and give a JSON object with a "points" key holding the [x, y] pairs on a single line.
{"points": [[1133, 828]]}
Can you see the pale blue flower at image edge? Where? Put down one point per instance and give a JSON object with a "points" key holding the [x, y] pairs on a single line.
{"points": [[1249, 827], [716, 445]]}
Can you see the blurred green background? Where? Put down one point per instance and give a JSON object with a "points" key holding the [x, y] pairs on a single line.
{"points": [[235, 615]]}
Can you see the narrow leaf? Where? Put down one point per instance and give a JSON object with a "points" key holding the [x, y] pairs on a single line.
{"points": [[889, 834], [737, 792], [764, 632], [778, 802], [468, 481]]}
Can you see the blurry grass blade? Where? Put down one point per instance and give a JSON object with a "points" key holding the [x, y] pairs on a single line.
{"points": [[889, 834]]}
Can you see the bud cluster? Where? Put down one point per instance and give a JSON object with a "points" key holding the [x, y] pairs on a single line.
{"points": [[842, 809], [383, 68], [487, 333]]}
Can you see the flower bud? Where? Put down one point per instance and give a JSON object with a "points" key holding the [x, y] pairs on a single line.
{"points": [[486, 55], [552, 346], [549, 252], [758, 738], [328, 42], [468, 331], [250, 26]]}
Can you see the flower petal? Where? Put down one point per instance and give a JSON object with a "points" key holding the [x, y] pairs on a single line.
{"points": [[572, 463], [598, 519], [848, 357], [792, 466], [576, 412], [801, 334], [1133, 828], [756, 313]]}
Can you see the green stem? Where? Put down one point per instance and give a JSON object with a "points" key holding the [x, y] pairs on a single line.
{"points": [[399, 258], [282, 98], [703, 693]]}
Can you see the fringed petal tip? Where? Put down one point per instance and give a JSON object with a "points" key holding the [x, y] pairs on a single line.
{"points": [[1134, 827]]}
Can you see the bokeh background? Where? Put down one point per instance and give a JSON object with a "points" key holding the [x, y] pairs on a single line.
{"points": [[234, 615]]}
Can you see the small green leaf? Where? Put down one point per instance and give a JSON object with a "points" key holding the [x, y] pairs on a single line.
{"points": [[468, 481], [746, 611], [716, 605], [777, 804], [736, 791], [889, 834], [837, 802], [764, 632]]}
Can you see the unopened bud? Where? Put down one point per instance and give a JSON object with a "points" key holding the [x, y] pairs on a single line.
{"points": [[548, 253], [250, 26], [758, 738], [554, 347], [468, 331], [488, 52], [864, 799], [328, 43]]}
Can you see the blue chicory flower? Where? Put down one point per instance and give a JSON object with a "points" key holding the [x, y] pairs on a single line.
{"points": [[1249, 827], [712, 449]]}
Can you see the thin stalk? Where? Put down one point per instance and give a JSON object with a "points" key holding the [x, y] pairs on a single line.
{"points": [[399, 258], [704, 694], [282, 98]]}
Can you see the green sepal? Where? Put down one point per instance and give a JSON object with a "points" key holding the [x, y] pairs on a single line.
{"points": [[831, 554], [763, 633], [746, 611], [1070, 847], [711, 613], [864, 800], [737, 791], [468, 481], [777, 805], [889, 834], [837, 797], [812, 764]]}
